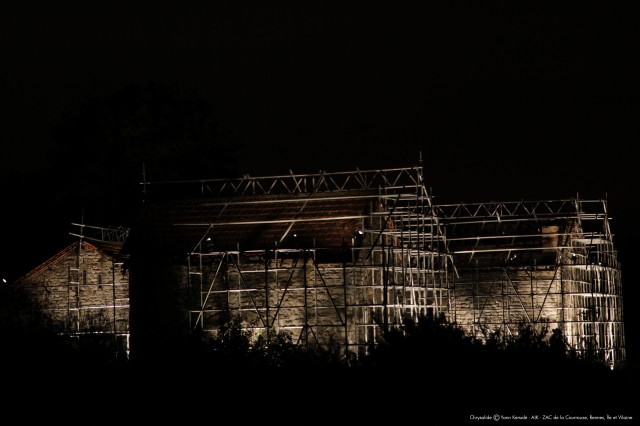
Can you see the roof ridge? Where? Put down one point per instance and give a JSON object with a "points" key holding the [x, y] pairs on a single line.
{"points": [[73, 246]]}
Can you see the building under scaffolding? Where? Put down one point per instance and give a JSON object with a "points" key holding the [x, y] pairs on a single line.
{"points": [[335, 258], [330, 258], [84, 287], [547, 263]]}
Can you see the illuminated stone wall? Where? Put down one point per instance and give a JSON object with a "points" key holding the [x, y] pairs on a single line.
{"points": [[323, 303], [82, 296], [317, 303], [505, 298]]}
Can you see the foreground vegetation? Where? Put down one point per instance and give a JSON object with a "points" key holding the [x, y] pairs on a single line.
{"points": [[429, 361]]}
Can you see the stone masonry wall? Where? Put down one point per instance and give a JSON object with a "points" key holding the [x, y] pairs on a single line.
{"points": [[89, 305], [505, 298], [307, 299], [311, 301]]}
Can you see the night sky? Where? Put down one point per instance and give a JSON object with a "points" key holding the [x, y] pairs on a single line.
{"points": [[505, 101]]}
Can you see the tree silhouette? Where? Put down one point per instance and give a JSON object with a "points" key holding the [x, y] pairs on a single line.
{"points": [[94, 167], [100, 150]]}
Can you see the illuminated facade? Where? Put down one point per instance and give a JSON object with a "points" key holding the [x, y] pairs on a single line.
{"points": [[334, 258], [550, 264], [84, 287]]}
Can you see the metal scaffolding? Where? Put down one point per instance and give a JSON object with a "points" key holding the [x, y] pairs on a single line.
{"points": [[547, 263], [337, 258], [389, 263], [91, 307]]}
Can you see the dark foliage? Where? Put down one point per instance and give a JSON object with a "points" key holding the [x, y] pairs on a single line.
{"points": [[530, 370], [94, 167], [101, 149], [27, 334], [42, 350], [428, 364]]}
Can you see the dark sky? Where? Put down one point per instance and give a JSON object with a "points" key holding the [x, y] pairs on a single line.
{"points": [[505, 100]]}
